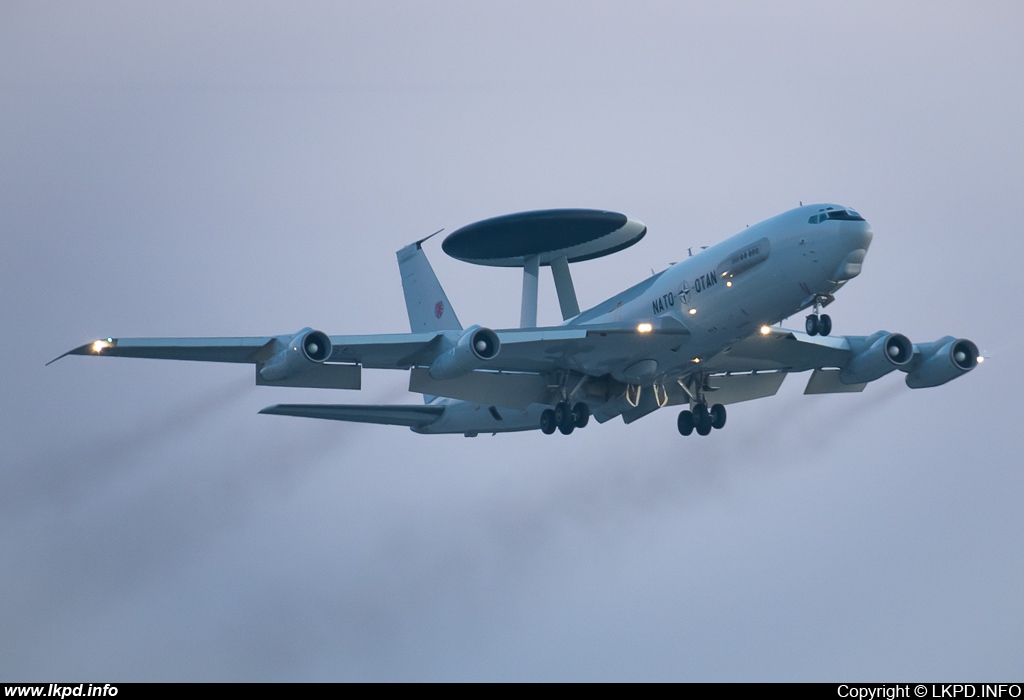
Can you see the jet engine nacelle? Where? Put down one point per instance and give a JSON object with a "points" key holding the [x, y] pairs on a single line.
{"points": [[882, 353], [938, 362], [474, 347], [303, 350]]}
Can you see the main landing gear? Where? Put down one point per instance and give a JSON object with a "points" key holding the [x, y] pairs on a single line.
{"points": [[818, 323], [564, 418], [702, 419]]}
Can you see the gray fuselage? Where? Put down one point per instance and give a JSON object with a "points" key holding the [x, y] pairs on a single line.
{"points": [[760, 276]]}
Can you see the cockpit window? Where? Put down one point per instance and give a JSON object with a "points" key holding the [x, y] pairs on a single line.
{"points": [[839, 214], [844, 215]]}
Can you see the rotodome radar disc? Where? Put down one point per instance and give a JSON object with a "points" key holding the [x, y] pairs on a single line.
{"points": [[577, 234]]}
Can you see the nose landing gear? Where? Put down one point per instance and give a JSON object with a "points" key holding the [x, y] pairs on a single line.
{"points": [[818, 323]]}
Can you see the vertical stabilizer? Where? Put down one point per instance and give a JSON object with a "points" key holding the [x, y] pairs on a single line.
{"points": [[425, 300]]}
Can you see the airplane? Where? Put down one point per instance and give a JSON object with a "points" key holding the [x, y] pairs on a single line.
{"points": [[700, 334]]}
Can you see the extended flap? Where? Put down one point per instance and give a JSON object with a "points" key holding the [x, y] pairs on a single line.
{"points": [[733, 388], [826, 381], [510, 389], [325, 376]]}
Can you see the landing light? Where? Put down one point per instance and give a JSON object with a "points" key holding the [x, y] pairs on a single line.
{"points": [[693, 311], [765, 330], [729, 283], [980, 359], [644, 328], [101, 345], [696, 360]]}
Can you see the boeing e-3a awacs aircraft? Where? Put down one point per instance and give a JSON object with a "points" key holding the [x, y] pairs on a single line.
{"points": [[698, 334]]}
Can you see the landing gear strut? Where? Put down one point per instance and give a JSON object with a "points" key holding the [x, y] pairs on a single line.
{"points": [[564, 418], [818, 323]]}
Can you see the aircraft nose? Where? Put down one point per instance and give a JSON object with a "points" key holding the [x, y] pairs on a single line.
{"points": [[854, 235], [854, 240]]}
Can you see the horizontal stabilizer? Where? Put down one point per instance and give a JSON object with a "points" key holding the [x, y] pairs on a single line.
{"points": [[397, 414]]}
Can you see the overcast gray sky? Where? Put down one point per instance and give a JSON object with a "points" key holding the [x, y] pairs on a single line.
{"points": [[250, 168]]}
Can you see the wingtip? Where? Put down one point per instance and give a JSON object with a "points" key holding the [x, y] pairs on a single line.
{"points": [[80, 350], [96, 347]]}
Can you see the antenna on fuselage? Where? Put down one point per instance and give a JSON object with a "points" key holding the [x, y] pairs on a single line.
{"points": [[421, 241]]}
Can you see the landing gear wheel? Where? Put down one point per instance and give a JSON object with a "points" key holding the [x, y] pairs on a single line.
{"points": [[700, 412], [811, 325], [562, 413], [547, 422], [564, 418], [824, 324], [581, 415], [685, 423], [702, 418], [718, 416]]}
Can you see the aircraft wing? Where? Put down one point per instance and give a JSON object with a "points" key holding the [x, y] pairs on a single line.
{"points": [[387, 351], [392, 351], [589, 349], [755, 367], [841, 363], [583, 348], [782, 349], [200, 349], [524, 350]]}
